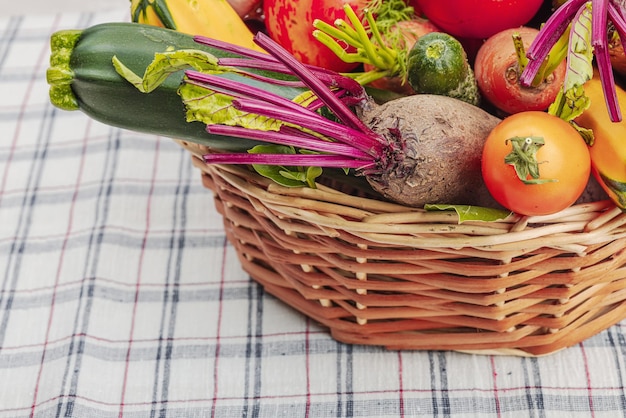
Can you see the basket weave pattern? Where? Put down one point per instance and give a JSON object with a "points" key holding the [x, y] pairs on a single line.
{"points": [[383, 274]]}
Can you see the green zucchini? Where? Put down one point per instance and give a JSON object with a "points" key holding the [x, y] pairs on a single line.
{"points": [[437, 64], [82, 77]]}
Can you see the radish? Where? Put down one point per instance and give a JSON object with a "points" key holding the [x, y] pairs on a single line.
{"points": [[497, 69]]}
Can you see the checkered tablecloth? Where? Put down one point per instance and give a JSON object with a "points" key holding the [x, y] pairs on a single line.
{"points": [[120, 296]]}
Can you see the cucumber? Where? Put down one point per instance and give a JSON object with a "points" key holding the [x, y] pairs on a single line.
{"points": [[82, 77], [437, 64]]}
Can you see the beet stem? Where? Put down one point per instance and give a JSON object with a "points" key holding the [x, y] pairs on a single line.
{"points": [[553, 29], [549, 34], [289, 138], [304, 160], [322, 91], [599, 12], [242, 90], [234, 49], [330, 79], [350, 144], [312, 122], [618, 20]]}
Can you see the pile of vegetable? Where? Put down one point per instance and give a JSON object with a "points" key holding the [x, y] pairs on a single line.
{"points": [[488, 103]]}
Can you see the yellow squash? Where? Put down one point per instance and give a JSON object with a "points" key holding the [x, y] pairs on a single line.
{"points": [[608, 152], [211, 18]]}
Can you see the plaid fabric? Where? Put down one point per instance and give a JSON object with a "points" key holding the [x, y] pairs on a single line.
{"points": [[119, 295]]}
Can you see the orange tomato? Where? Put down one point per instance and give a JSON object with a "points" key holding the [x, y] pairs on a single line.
{"points": [[608, 153], [563, 164]]}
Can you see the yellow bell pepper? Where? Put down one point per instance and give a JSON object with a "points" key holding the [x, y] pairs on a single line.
{"points": [[211, 18], [608, 151]]}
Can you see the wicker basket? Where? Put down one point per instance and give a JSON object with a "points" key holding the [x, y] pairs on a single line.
{"points": [[383, 274]]}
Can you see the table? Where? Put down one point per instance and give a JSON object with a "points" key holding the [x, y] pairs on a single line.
{"points": [[120, 296]]}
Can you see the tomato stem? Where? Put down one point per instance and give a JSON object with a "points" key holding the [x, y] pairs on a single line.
{"points": [[523, 158]]}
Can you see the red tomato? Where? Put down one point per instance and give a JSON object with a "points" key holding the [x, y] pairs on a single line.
{"points": [[478, 18], [563, 159], [290, 23], [497, 74]]}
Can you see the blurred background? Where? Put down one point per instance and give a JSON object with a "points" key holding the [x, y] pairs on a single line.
{"points": [[20, 7]]}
